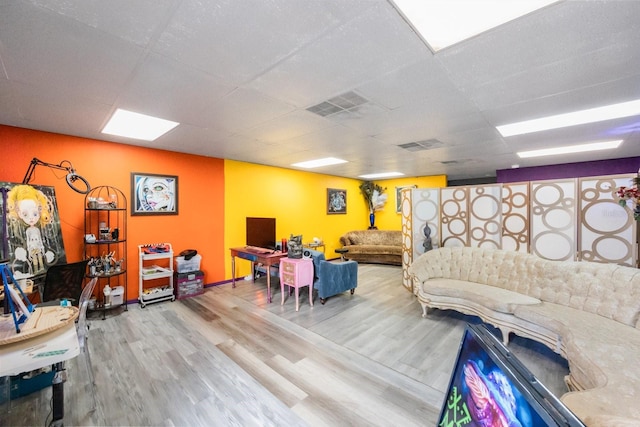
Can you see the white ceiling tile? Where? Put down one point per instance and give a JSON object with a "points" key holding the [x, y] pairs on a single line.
{"points": [[158, 88], [40, 50], [363, 49], [239, 75], [135, 21], [241, 109], [238, 40], [72, 115], [288, 126]]}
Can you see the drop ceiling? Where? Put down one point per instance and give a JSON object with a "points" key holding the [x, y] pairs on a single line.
{"points": [[243, 77]]}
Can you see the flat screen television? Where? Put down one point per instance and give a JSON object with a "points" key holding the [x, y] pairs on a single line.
{"points": [[489, 386], [261, 232]]}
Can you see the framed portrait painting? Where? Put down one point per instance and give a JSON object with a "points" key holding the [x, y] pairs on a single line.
{"points": [[399, 196], [153, 194], [31, 231], [336, 201]]}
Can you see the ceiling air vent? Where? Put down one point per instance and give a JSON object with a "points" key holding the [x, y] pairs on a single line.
{"points": [[426, 144], [338, 104]]}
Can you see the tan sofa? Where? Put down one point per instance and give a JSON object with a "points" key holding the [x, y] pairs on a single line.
{"points": [[587, 312], [373, 246]]}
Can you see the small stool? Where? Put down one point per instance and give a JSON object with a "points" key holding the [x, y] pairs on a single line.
{"points": [[342, 251]]}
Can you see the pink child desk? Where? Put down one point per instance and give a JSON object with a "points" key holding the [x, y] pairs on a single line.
{"points": [[296, 273]]}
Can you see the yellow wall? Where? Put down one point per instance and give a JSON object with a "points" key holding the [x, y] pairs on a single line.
{"points": [[215, 197], [387, 218], [298, 201]]}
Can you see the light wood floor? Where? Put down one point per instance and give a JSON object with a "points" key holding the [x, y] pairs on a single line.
{"points": [[227, 358]]}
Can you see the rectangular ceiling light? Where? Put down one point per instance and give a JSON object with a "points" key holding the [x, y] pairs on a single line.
{"points": [[442, 23], [381, 175], [592, 115], [137, 126], [594, 146], [327, 161]]}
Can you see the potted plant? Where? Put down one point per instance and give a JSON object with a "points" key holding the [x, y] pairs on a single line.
{"points": [[375, 198], [630, 197]]}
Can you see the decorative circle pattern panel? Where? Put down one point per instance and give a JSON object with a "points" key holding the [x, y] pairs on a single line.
{"points": [[553, 219], [607, 230], [515, 217]]}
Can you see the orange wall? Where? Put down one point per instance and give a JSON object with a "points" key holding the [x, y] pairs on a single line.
{"points": [[214, 197], [199, 224]]}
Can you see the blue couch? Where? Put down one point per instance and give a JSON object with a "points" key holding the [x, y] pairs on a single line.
{"points": [[332, 278]]}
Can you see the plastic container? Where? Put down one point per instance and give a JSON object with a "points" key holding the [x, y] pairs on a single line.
{"points": [[189, 284], [117, 296], [25, 383], [186, 266]]}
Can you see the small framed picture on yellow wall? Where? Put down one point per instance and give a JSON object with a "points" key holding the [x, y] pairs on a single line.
{"points": [[336, 201], [399, 196]]}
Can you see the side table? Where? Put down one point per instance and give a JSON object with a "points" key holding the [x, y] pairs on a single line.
{"points": [[315, 246], [296, 273]]}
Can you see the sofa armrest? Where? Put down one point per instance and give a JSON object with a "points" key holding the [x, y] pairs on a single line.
{"points": [[345, 241]]}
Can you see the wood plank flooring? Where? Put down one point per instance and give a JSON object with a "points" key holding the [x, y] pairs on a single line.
{"points": [[227, 358]]}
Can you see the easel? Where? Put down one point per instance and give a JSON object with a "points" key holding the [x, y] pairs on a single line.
{"points": [[12, 298]]}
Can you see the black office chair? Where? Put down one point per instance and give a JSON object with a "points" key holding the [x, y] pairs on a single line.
{"points": [[64, 281]]}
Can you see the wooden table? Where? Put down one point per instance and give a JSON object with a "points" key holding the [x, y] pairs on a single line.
{"points": [[47, 338], [315, 246], [266, 257]]}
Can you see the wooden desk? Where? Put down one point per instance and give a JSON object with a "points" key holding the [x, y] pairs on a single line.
{"points": [[47, 338], [265, 257], [41, 342]]}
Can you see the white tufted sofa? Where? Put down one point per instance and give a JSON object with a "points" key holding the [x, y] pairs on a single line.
{"points": [[587, 312]]}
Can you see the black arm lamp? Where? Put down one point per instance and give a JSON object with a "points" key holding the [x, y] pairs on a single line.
{"points": [[73, 179]]}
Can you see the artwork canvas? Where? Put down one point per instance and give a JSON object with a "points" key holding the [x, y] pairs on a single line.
{"points": [[153, 194], [336, 201], [399, 197], [31, 233]]}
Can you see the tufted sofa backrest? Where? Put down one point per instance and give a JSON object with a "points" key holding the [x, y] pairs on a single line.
{"points": [[608, 290], [372, 237]]}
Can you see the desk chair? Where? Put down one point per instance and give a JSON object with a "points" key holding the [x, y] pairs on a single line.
{"points": [[82, 328], [64, 281]]}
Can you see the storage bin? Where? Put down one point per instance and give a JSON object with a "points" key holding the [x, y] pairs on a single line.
{"points": [[189, 284], [117, 296], [25, 383], [185, 266]]}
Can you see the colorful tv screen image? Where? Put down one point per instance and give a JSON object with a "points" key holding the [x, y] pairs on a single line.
{"points": [[487, 390]]}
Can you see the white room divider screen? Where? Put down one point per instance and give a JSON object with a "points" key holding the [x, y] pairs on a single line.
{"points": [[606, 232], [568, 219]]}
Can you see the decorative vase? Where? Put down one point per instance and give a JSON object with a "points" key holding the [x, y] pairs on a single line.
{"points": [[372, 221]]}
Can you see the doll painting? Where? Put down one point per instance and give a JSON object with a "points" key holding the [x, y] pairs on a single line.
{"points": [[32, 238]]}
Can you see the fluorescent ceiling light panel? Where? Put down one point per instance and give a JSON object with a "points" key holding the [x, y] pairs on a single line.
{"points": [[137, 126], [327, 161], [381, 175], [592, 115], [443, 23], [594, 146]]}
